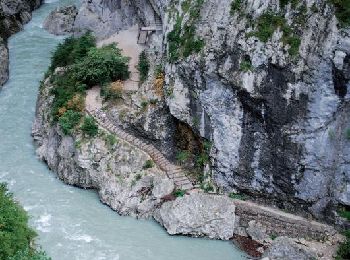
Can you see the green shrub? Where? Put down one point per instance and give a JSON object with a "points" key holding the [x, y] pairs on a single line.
{"points": [[89, 126], [143, 66], [342, 11], [101, 65], [236, 5], [202, 159], [148, 164], [207, 187], [30, 254], [246, 65], [268, 23], [16, 236], [344, 248], [179, 193], [183, 156], [344, 214], [111, 140], [182, 40], [236, 196], [69, 120], [71, 51], [347, 133], [64, 89]]}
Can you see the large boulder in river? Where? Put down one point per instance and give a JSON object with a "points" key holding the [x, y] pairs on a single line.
{"points": [[61, 20], [198, 215]]}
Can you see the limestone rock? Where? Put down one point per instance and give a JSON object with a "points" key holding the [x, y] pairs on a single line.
{"points": [[198, 215], [61, 20], [284, 248]]}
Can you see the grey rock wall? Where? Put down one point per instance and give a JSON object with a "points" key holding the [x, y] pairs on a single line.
{"points": [[278, 130], [13, 15]]}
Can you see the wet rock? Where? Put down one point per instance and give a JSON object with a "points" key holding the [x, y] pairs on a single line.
{"points": [[61, 20], [198, 215], [4, 63]]}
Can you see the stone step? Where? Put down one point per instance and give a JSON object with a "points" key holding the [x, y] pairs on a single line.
{"points": [[174, 172]]}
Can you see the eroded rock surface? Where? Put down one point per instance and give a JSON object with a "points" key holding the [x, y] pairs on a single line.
{"points": [[284, 248], [114, 170], [61, 20]]}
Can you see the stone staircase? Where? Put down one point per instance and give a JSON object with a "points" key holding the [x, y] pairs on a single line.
{"points": [[173, 172]]}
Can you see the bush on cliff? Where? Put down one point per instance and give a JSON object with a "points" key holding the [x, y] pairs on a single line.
{"points": [[102, 65], [71, 51], [16, 236], [89, 126], [69, 120]]}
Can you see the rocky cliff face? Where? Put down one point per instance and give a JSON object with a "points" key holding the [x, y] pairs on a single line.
{"points": [[276, 113], [105, 163], [13, 15], [264, 82]]}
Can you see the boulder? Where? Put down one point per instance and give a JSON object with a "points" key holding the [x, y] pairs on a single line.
{"points": [[198, 215], [61, 20], [284, 248]]}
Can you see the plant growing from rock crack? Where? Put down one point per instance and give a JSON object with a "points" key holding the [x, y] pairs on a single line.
{"points": [[237, 196], [183, 156], [143, 66], [148, 164], [179, 193]]}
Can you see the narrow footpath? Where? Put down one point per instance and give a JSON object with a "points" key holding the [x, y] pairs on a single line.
{"points": [[174, 172]]}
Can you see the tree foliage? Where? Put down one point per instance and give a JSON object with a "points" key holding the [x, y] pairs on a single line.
{"points": [[15, 234]]}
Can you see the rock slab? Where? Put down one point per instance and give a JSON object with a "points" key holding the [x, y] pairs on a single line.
{"points": [[61, 20], [198, 215]]}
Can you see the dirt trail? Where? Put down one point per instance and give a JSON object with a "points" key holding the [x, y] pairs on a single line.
{"points": [[127, 41]]}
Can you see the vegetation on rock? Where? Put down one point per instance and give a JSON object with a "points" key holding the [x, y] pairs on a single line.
{"points": [[16, 237], [344, 248], [89, 126], [342, 11], [182, 39], [143, 66], [84, 66]]}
